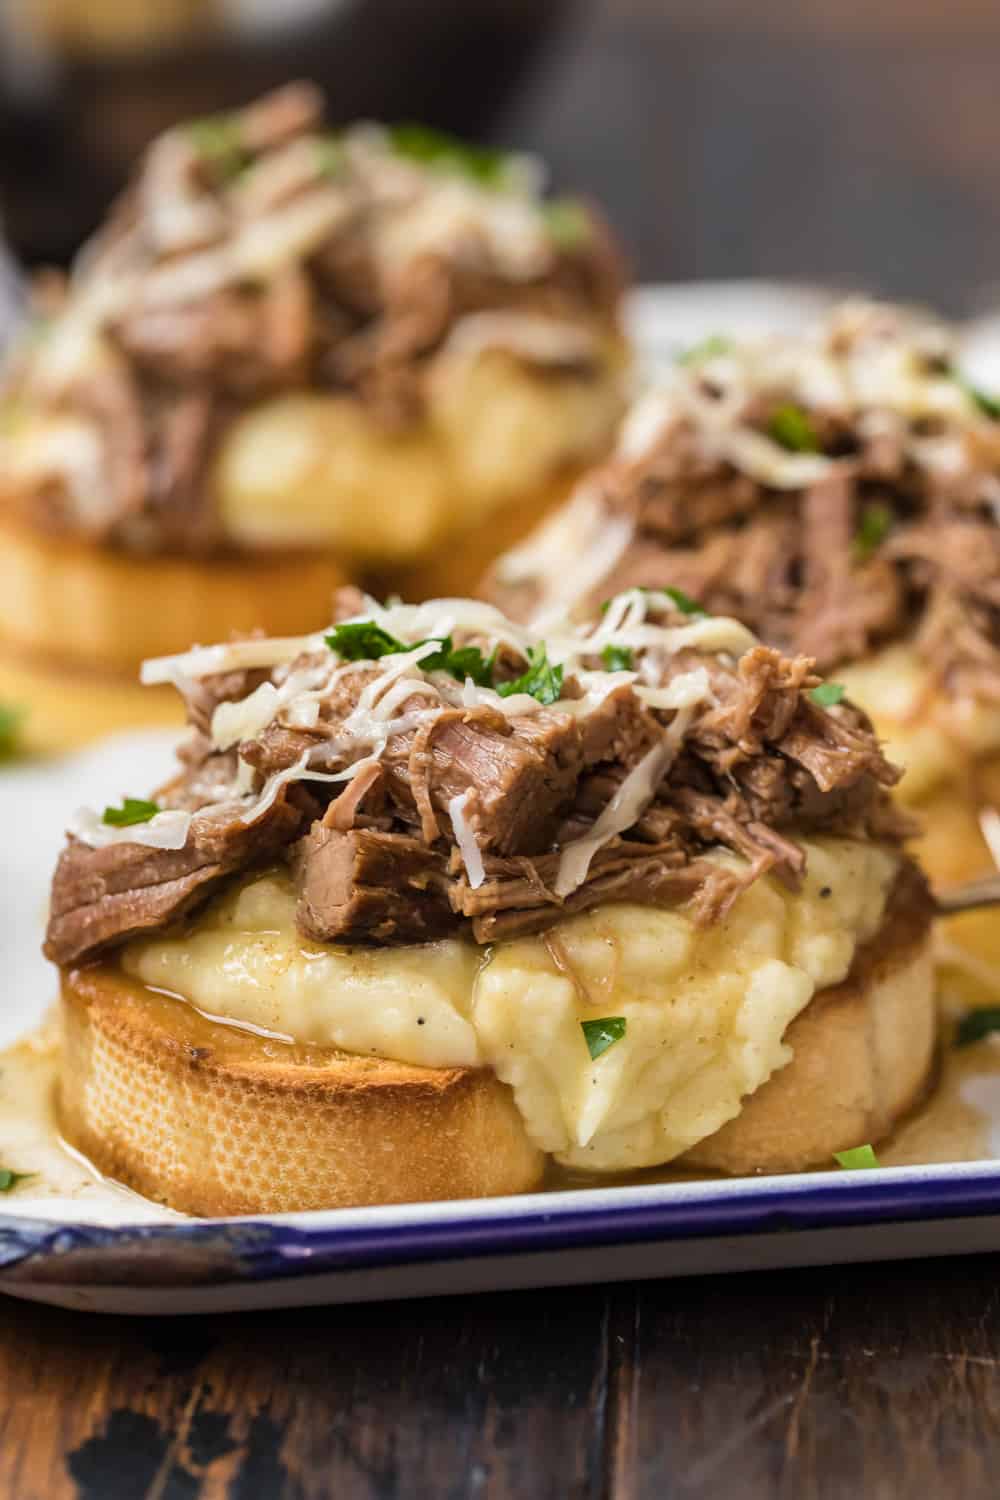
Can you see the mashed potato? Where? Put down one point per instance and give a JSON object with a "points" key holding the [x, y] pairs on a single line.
{"points": [[933, 736], [705, 1010], [310, 468]]}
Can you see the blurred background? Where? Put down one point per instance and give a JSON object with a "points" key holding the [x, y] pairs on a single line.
{"points": [[843, 141]]}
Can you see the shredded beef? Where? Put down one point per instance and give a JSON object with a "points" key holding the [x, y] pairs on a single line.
{"points": [[104, 896], [368, 886], [897, 538], [381, 853], [255, 255]]}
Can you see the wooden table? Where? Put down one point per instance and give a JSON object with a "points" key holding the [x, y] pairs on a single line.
{"points": [[868, 1383]]}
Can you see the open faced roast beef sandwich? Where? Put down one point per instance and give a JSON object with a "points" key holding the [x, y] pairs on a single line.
{"points": [[289, 356], [432, 899], [840, 493]]}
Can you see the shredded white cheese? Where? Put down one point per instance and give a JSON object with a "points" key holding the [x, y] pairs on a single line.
{"points": [[625, 808], [465, 838], [164, 830]]}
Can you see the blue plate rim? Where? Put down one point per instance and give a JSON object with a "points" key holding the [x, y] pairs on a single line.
{"points": [[293, 1246]]}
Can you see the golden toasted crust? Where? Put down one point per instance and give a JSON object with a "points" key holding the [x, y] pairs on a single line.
{"points": [[71, 602], [214, 1121], [864, 1054]]}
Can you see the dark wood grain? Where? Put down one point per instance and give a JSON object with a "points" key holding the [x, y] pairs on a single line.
{"points": [[803, 1385]]}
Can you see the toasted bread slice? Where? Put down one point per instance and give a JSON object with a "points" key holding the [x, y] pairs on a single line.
{"points": [[864, 1054], [213, 1120], [76, 621], [74, 603]]}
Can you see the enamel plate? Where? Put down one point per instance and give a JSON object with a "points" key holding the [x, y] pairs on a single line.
{"points": [[116, 1253]]}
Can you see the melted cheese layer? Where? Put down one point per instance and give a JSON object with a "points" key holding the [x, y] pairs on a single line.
{"points": [[705, 1009]]}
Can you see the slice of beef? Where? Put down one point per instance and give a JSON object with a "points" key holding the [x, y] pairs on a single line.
{"points": [[519, 773], [837, 747], [619, 729], [365, 886], [102, 897], [510, 908], [756, 705]]}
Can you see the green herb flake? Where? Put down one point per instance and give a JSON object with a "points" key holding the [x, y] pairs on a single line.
{"points": [[542, 680], [988, 405], [617, 658], [710, 348], [446, 153], [11, 721], [9, 1179], [977, 1024], [828, 694], [791, 427], [875, 525], [132, 811], [217, 141], [469, 661], [683, 602], [568, 222], [602, 1034], [860, 1158], [363, 640]]}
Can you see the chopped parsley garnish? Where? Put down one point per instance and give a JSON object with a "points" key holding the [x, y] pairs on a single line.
{"points": [[874, 527], [363, 640], [857, 1159], [11, 719], [568, 222], [683, 602], [217, 141], [828, 693], [987, 404], [436, 148], [977, 1024], [9, 1179], [709, 348], [791, 427], [602, 1034], [132, 811], [542, 680], [468, 661], [617, 658]]}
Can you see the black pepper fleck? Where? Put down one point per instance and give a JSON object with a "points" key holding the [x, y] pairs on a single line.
{"points": [[825, 891]]}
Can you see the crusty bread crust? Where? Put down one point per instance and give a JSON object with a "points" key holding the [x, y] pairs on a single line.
{"points": [[69, 601], [214, 1121], [76, 621], [864, 1055]]}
